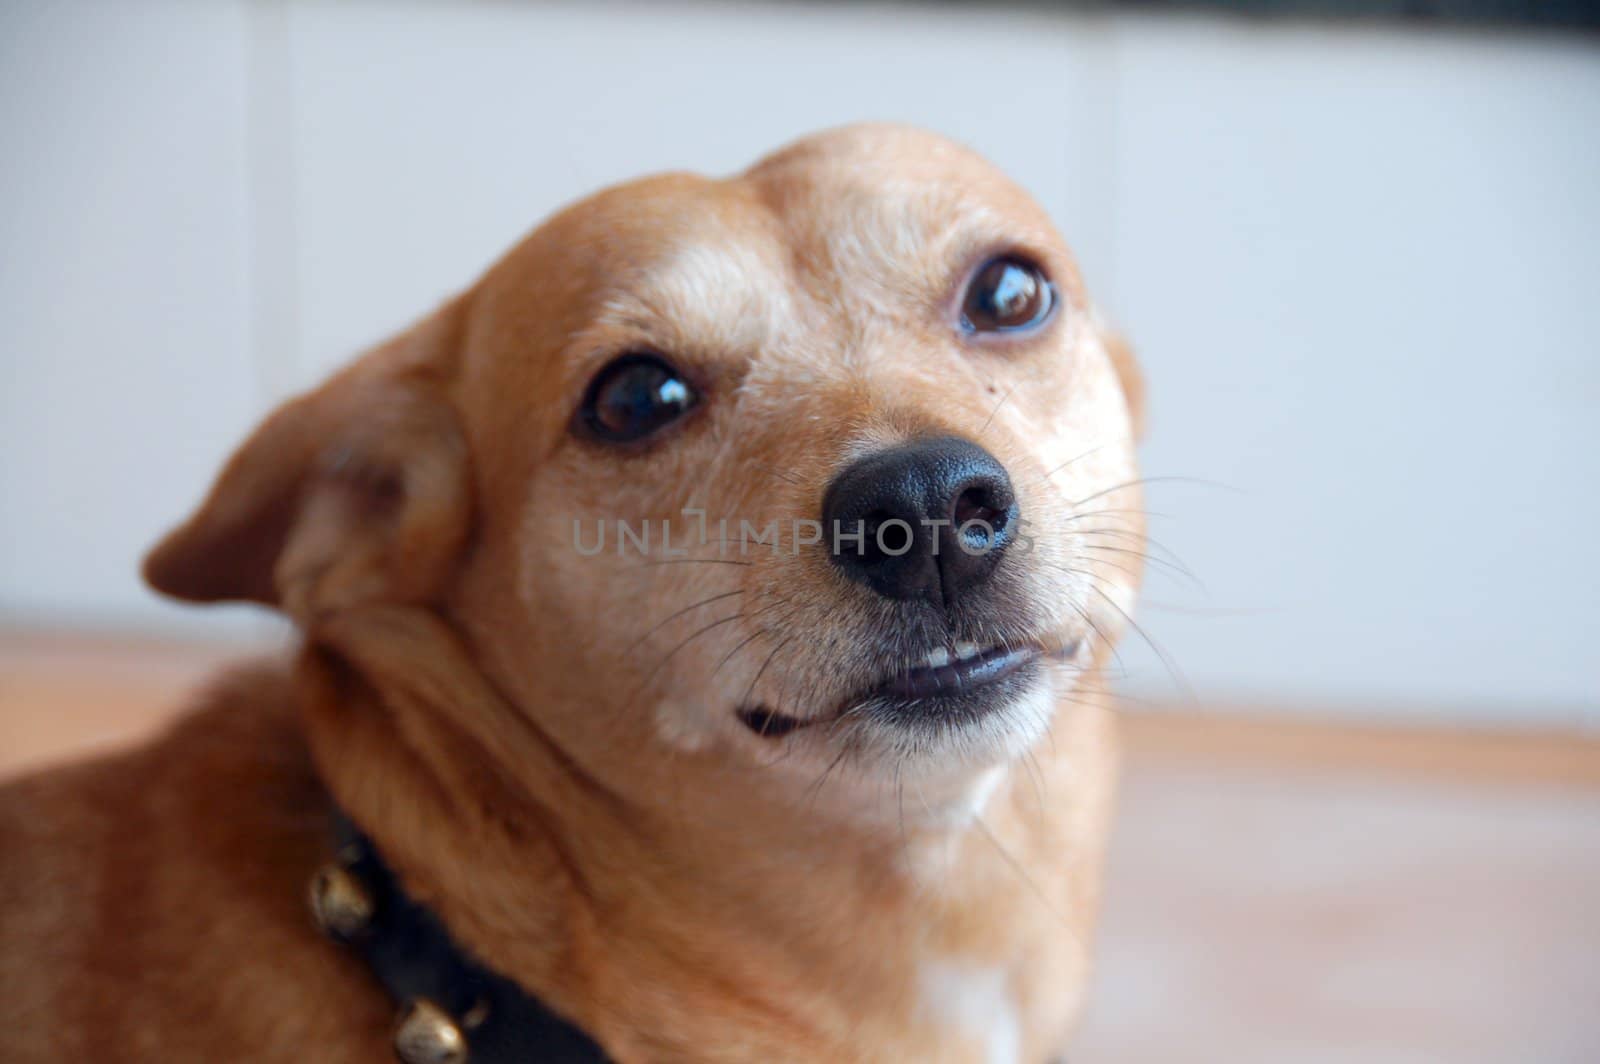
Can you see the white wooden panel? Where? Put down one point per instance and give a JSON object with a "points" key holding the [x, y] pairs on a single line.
{"points": [[1363, 268], [124, 299]]}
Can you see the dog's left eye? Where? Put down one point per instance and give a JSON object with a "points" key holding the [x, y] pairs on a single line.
{"points": [[634, 396], [1006, 294]]}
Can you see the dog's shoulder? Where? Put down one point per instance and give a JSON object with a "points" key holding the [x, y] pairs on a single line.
{"points": [[152, 903]]}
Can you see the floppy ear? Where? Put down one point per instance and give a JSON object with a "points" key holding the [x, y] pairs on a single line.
{"points": [[352, 494], [1128, 374]]}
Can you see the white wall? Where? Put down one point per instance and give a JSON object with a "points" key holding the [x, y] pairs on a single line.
{"points": [[125, 367], [1361, 266], [1364, 269]]}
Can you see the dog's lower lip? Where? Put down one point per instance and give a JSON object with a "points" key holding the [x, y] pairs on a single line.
{"points": [[960, 675], [951, 679]]}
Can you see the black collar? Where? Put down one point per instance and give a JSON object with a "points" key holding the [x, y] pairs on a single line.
{"points": [[455, 1010]]}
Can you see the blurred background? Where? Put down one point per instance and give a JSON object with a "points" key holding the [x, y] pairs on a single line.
{"points": [[1357, 248]]}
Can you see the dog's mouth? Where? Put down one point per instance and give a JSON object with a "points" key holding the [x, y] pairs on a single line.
{"points": [[960, 681], [963, 667]]}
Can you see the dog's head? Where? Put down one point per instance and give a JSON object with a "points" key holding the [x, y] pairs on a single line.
{"points": [[826, 464]]}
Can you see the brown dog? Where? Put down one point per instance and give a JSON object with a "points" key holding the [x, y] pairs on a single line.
{"points": [[760, 792]]}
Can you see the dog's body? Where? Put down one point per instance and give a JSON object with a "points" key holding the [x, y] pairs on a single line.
{"points": [[687, 829]]}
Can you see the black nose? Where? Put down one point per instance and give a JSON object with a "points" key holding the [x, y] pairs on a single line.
{"points": [[925, 519]]}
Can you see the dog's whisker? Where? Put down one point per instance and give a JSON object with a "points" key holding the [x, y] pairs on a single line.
{"points": [[1142, 538], [787, 476], [1085, 514], [1137, 481], [746, 641], [815, 790], [1166, 659], [762, 671], [900, 809], [1147, 603], [1100, 633], [1131, 573], [679, 613], [1151, 559], [693, 561], [1113, 489], [1031, 766], [1022, 873], [990, 419], [1075, 458], [759, 632], [674, 651], [778, 710]]}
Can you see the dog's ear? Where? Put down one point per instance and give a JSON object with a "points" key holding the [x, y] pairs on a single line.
{"points": [[1128, 374], [355, 493]]}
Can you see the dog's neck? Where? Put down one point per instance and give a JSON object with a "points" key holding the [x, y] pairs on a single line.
{"points": [[654, 925]]}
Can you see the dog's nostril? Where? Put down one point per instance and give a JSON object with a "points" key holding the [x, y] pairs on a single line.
{"points": [[980, 516], [979, 504]]}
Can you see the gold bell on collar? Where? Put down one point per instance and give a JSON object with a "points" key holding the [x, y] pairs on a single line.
{"points": [[426, 1034], [341, 903]]}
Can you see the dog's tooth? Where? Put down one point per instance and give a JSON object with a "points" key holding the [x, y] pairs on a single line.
{"points": [[937, 658], [965, 649]]}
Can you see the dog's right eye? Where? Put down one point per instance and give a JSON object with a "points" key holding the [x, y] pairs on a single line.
{"points": [[635, 396]]}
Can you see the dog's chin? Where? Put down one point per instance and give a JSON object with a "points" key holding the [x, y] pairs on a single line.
{"points": [[955, 734]]}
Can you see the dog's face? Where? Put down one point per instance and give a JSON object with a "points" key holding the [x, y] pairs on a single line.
{"points": [[828, 465]]}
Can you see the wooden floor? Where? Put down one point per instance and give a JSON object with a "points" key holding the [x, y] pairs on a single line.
{"points": [[1279, 893]]}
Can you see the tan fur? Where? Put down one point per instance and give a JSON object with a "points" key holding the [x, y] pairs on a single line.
{"points": [[544, 743]]}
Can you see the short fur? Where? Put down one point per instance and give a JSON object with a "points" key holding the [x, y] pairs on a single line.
{"points": [[544, 743]]}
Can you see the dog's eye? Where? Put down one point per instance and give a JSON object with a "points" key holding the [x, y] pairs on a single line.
{"points": [[1008, 293], [634, 396]]}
